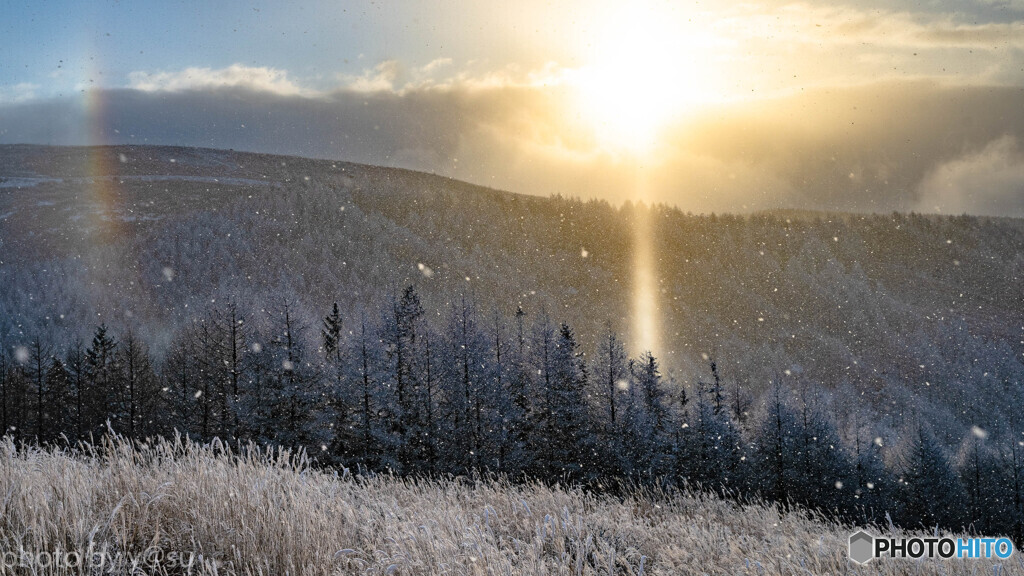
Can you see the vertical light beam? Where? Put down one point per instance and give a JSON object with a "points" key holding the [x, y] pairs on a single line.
{"points": [[646, 324]]}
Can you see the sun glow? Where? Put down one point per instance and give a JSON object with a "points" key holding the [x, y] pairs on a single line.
{"points": [[644, 71]]}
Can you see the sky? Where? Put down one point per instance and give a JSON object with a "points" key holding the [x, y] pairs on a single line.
{"points": [[715, 106]]}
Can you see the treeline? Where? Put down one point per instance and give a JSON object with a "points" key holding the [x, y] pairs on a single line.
{"points": [[469, 390]]}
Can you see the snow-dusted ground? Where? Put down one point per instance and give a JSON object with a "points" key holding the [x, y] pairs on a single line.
{"points": [[265, 512]]}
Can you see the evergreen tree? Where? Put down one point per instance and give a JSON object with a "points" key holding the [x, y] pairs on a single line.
{"points": [[6, 390], [77, 376], [773, 448], [180, 376], [711, 450], [611, 375], [989, 486], [364, 376], [931, 493], [138, 389], [337, 397], [234, 334], [568, 450], [39, 355], [649, 418], [821, 471], [519, 416], [1011, 481], [871, 481], [101, 366], [59, 413], [297, 408], [400, 328], [467, 383]]}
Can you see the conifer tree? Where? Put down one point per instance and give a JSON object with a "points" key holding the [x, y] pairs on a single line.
{"points": [[101, 365], [931, 493], [59, 414], [77, 375], [39, 355]]}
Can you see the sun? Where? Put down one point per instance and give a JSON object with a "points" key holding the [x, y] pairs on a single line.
{"points": [[644, 71]]}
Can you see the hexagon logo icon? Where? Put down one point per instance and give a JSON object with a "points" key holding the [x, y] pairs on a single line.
{"points": [[861, 545]]}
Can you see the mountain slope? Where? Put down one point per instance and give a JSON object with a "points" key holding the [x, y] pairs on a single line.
{"points": [[921, 315]]}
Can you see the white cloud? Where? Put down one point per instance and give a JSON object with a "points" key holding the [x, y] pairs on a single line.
{"points": [[442, 74], [990, 181], [17, 93], [824, 25], [383, 77], [260, 78]]}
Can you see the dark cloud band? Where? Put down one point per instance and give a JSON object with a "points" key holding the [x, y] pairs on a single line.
{"points": [[908, 146]]}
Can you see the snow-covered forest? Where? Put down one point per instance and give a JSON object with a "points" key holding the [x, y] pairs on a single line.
{"points": [[864, 365], [397, 389]]}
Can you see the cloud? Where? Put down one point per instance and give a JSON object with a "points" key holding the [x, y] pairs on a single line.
{"points": [[22, 92], [988, 181], [880, 147], [440, 74], [261, 79], [784, 49], [827, 24], [382, 78]]}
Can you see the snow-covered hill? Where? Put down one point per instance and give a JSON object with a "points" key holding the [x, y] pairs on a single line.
{"points": [[917, 314]]}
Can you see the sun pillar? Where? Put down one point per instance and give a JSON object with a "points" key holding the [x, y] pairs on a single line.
{"points": [[646, 316]]}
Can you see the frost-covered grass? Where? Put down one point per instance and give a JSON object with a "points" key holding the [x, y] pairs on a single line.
{"points": [[252, 512]]}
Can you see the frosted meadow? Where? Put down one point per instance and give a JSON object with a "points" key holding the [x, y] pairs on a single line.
{"points": [[252, 511]]}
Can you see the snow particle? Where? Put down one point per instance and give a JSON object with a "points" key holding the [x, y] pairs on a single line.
{"points": [[426, 270], [839, 484], [978, 432], [288, 365], [168, 273], [584, 253], [878, 440], [21, 354]]}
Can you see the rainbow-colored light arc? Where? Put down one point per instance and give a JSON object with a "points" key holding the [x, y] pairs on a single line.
{"points": [[101, 166]]}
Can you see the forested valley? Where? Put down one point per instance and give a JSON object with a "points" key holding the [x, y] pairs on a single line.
{"points": [[867, 365]]}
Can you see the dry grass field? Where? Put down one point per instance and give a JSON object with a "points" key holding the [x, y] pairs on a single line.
{"points": [[177, 507]]}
